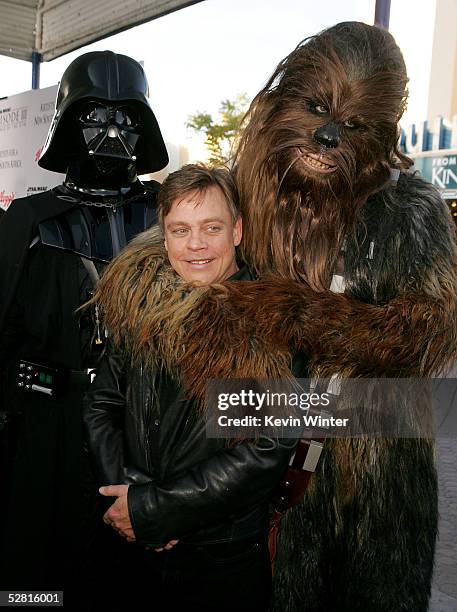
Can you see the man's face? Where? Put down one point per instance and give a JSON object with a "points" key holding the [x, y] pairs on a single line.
{"points": [[200, 237]]}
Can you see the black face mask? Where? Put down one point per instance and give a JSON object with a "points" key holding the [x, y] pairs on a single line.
{"points": [[110, 133], [99, 90]]}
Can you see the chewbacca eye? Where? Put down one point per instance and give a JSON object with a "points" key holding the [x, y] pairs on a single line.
{"points": [[317, 109], [351, 125]]}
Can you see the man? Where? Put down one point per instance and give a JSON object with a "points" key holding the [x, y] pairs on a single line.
{"points": [[103, 134], [203, 501]]}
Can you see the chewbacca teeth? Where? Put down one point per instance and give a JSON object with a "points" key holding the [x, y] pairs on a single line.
{"points": [[318, 164], [315, 162]]}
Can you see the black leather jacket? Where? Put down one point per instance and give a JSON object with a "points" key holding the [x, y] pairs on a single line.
{"points": [[142, 430]]}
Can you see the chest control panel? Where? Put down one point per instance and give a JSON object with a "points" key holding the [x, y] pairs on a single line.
{"points": [[33, 377]]}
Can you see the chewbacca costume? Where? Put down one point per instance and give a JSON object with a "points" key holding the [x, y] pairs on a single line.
{"points": [[314, 173]]}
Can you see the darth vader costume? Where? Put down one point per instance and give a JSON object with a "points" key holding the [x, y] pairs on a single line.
{"points": [[53, 245]]}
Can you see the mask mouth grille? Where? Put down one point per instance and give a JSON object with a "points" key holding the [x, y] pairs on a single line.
{"points": [[113, 143], [112, 146]]}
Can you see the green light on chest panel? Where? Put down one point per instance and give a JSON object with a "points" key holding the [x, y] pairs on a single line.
{"points": [[42, 377], [48, 379]]}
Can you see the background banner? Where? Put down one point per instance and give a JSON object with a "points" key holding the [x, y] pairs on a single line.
{"points": [[24, 124]]}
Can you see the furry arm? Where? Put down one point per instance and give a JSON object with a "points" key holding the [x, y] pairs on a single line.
{"points": [[412, 335]]}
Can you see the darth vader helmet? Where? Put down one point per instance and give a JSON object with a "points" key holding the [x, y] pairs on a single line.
{"points": [[102, 112]]}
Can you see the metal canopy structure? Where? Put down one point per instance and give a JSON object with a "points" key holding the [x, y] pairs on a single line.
{"points": [[52, 28]]}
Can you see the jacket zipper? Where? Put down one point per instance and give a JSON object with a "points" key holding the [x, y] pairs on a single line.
{"points": [[145, 404]]}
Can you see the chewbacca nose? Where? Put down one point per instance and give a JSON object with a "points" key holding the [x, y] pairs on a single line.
{"points": [[328, 135]]}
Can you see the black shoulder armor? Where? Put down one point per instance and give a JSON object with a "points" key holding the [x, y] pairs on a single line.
{"points": [[99, 230]]}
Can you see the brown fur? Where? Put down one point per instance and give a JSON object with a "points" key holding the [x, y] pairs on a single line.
{"points": [[335, 331], [286, 211]]}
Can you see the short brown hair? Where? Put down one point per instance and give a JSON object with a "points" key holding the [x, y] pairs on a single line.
{"points": [[198, 178]]}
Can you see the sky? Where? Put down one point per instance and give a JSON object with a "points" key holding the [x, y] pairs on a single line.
{"points": [[216, 49]]}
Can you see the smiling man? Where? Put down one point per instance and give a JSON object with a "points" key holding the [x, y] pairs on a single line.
{"points": [[202, 226], [193, 509]]}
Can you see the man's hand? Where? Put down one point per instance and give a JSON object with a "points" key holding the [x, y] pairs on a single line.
{"points": [[168, 546], [117, 515]]}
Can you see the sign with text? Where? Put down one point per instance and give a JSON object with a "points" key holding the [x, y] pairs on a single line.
{"points": [[440, 169], [24, 122]]}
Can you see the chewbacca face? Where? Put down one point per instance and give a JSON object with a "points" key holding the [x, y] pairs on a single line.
{"points": [[334, 104]]}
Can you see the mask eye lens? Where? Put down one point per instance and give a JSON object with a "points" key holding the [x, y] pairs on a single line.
{"points": [[97, 115], [122, 118], [94, 114], [126, 117]]}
